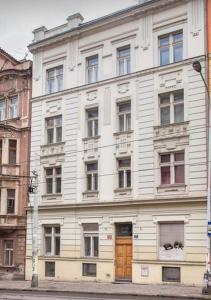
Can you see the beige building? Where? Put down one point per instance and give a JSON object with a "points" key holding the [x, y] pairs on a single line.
{"points": [[119, 143]]}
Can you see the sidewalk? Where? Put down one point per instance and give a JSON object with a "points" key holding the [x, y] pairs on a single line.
{"points": [[108, 288]]}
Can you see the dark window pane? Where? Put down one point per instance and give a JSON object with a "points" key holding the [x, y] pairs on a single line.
{"points": [[164, 56], [89, 182], [179, 96], [58, 185], [89, 269], [96, 245], [179, 174], [165, 115], [121, 179], [165, 175], [165, 158], [50, 135], [92, 167], [95, 182], [179, 156], [124, 107], [58, 134], [49, 269], [178, 49], [163, 41], [57, 245], [87, 245], [48, 230], [171, 274], [48, 250], [128, 173], [123, 163], [164, 99], [49, 185], [12, 151], [49, 172], [179, 113]]}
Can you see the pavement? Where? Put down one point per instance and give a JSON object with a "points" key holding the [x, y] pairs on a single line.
{"points": [[88, 288]]}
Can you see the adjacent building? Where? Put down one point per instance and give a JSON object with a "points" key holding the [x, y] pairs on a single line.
{"points": [[15, 110], [119, 143]]}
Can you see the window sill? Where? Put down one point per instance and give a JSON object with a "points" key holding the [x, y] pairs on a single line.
{"points": [[91, 138], [123, 191], [51, 196], [90, 194], [171, 124], [52, 144], [122, 132], [172, 187]]}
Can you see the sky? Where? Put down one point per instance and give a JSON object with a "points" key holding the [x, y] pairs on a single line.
{"points": [[18, 18]]}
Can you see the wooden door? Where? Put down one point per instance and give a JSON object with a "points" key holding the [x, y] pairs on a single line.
{"points": [[124, 258]]}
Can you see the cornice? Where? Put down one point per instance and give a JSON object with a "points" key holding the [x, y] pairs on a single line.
{"points": [[131, 203], [105, 22], [118, 79], [16, 73]]}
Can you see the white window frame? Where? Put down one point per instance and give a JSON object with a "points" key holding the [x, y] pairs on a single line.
{"points": [[54, 127], [11, 199], [170, 46], [52, 235], [94, 122], [90, 234], [11, 251], [54, 178], [124, 170], [56, 78], [2, 110], [13, 108], [93, 174], [126, 60], [126, 116], [172, 164], [172, 104], [92, 71]]}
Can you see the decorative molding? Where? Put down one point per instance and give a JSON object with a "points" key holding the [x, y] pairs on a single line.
{"points": [[54, 106], [91, 96], [196, 17], [123, 87], [170, 80], [146, 31], [107, 106]]}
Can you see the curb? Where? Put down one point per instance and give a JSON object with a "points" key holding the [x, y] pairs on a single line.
{"points": [[121, 294]]}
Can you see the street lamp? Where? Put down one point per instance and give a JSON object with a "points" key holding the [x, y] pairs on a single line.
{"points": [[207, 276]]}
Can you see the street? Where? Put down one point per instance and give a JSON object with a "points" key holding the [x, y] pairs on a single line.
{"points": [[34, 295]]}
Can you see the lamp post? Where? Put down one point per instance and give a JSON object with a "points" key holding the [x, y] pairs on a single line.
{"points": [[207, 276]]}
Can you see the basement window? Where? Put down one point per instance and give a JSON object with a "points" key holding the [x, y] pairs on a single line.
{"points": [[171, 274], [49, 269], [89, 270]]}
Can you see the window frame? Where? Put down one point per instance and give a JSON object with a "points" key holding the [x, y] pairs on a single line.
{"points": [[126, 117], [171, 46], [92, 69], [124, 171], [126, 59], [94, 123], [56, 78], [13, 108], [54, 177], [12, 149], [11, 253], [172, 164], [55, 127], [93, 174], [172, 104], [2, 109], [11, 208], [53, 235], [92, 234]]}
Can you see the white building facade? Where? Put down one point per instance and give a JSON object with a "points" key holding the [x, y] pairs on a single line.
{"points": [[119, 142]]}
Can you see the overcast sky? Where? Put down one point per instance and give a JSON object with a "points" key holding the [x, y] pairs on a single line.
{"points": [[19, 17]]}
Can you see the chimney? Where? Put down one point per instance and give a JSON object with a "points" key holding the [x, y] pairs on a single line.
{"points": [[74, 20], [39, 33]]}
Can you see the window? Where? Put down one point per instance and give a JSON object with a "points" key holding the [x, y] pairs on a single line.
{"points": [[53, 180], [52, 240], [124, 116], [13, 107], [2, 110], [171, 274], [55, 79], [123, 60], [171, 48], [8, 252], [91, 240], [172, 168], [10, 201], [92, 122], [12, 151], [124, 173], [92, 176], [54, 130], [0, 152], [171, 241], [89, 270], [172, 107], [92, 69], [49, 269]]}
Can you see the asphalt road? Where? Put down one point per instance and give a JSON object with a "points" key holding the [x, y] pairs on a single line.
{"points": [[10, 295]]}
